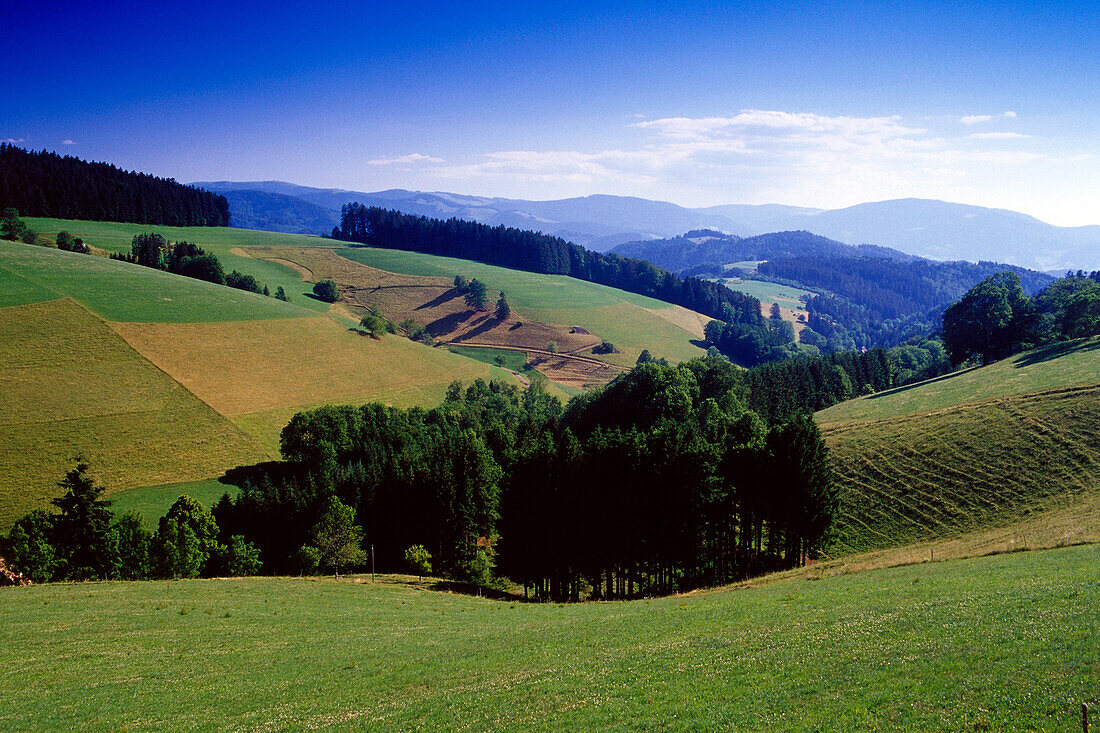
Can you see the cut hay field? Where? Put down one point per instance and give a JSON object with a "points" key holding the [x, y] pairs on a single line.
{"points": [[632, 322], [116, 236], [996, 643], [789, 299], [274, 368], [73, 386], [1011, 449], [1058, 366]]}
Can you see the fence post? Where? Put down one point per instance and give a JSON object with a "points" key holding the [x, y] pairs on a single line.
{"points": [[1085, 717]]}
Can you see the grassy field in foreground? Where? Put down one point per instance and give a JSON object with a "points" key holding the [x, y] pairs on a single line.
{"points": [[1002, 643], [632, 322], [71, 386], [1067, 364]]}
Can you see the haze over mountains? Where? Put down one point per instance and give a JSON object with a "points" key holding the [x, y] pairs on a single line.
{"points": [[922, 227]]}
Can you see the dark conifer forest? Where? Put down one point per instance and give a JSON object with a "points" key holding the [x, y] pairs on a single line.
{"points": [[50, 185]]}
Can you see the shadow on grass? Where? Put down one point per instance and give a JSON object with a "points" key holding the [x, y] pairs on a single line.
{"points": [[440, 299], [1053, 351]]}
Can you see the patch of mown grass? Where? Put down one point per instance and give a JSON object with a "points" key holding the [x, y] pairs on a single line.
{"points": [[976, 466], [996, 643], [120, 291], [517, 362], [153, 502], [769, 292], [264, 366], [15, 290], [632, 322], [1057, 366], [71, 386]]}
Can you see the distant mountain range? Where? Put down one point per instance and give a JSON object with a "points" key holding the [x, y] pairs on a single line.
{"points": [[922, 227]]}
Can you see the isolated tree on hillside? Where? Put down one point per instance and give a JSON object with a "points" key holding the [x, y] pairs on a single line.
{"points": [[280, 294], [419, 560], [337, 537], [476, 296], [327, 291], [81, 527], [11, 226], [503, 309]]}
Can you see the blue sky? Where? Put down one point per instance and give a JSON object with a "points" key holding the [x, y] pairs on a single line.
{"points": [[814, 104]]}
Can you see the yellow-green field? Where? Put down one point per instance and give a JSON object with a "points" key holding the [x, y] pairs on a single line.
{"points": [[72, 386], [158, 379]]}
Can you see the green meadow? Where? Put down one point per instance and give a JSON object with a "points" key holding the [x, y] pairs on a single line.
{"points": [[1000, 643], [1057, 366]]}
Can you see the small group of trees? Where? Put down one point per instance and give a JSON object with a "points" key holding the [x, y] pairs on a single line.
{"points": [[473, 291], [84, 540], [14, 229], [995, 318], [189, 260]]}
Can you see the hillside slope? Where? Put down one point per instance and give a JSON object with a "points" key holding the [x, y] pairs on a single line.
{"points": [[998, 447], [160, 379]]}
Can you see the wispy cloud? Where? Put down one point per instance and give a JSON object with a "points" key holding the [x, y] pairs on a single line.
{"points": [[1010, 113], [688, 128], [406, 159], [975, 119], [67, 141], [14, 141], [998, 136]]}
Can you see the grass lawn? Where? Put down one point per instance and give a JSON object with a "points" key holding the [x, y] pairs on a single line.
{"points": [[1067, 364], [768, 292], [1002, 643], [72, 386]]}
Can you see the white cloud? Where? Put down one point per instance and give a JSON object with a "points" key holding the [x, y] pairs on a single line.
{"points": [[688, 128], [1010, 113], [975, 119], [998, 136], [14, 141], [67, 141], [406, 159]]}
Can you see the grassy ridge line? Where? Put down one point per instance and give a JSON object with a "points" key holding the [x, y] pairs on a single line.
{"points": [[956, 470], [121, 291], [1066, 364], [73, 386], [996, 643], [109, 235]]}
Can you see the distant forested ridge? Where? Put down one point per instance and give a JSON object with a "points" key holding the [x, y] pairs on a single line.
{"points": [[50, 185], [704, 248], [534, 252]]}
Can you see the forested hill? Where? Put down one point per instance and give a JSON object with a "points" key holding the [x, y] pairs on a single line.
{"points": [[534, 252], [705, 247], [63, 187], [881, 302]]}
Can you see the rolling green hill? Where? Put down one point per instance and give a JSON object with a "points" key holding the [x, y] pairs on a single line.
{"points": [[994, 643], [1011, 448], [158, 379]]}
